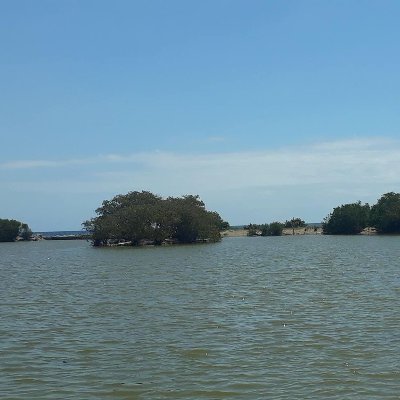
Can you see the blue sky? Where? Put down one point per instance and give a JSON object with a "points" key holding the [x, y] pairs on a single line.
{"points": [[266, 109]]}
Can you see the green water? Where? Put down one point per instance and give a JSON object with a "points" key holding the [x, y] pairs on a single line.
{"points": [[248, 318]]}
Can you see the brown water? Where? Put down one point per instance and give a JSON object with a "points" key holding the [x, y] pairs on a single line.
{"points": [[248, 318]]}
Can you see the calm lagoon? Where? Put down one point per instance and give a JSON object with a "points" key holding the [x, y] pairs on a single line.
{"points": [[311, 317]]}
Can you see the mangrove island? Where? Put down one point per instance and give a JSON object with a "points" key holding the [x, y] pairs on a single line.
{"points": [[142, 217]]}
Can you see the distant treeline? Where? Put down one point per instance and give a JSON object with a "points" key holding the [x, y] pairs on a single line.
{"points": [[274, 228], [352, 218], [347, 219], [143, 217]]}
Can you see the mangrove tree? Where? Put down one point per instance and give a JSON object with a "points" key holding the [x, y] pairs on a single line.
{"points": [[144, 217]]}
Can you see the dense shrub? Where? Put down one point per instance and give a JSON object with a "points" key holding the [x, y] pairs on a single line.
{"points": [[385, 214], [139, 216], [272, 229], [347, 219], [10, 229]]}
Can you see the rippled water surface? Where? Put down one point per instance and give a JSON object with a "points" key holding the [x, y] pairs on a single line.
{"points": [[247, 318]]}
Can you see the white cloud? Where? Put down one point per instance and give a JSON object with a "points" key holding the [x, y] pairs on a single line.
{"points": [[33, 164], [344, 161], [311, 179], [29, 164], [337, 162]]}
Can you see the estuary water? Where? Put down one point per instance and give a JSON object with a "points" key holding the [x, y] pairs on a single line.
{"points": [[302, 317]]}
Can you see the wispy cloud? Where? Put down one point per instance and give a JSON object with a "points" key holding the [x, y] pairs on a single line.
{"points": [[360, 161], [33, 164], [29, 164], [215, 139], [242, 185], [363, 160]]}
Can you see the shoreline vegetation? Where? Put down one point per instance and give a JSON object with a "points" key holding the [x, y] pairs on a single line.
{"points": [[143, 218], [229, 233], [12, 230]]}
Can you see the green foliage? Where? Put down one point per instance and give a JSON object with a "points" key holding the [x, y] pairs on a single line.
{"points": [[385, 215], [253, 229], [10, 229], [348, 219], [224, 226], [272, 229], [25, 232], [139, 216], [275, 229], [353, 218], [295, 223]]}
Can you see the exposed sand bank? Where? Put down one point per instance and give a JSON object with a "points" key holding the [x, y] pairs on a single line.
{"points": [[234, 233], [290, 232], [285, 232]]}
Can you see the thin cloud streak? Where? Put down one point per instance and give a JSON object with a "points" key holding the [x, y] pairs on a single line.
{"points": [[336, 162], [45, 164], [331, 158], [361, 161], [242, 186]]}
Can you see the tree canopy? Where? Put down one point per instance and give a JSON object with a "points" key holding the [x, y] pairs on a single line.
{"points": [[295, 223], [143, 216], [353, 218], [347, 219], [10, 229], [385, 214]]}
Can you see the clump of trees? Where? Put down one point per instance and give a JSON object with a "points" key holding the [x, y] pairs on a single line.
{"points": [[294, 223], [352, 218], [347, 219], [272, 229], [143, 216], [10, 230], [385, 214]]}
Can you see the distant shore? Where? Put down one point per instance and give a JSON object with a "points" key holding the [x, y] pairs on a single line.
{"points": [[285, 232], [57, 236], [309, 230]]}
